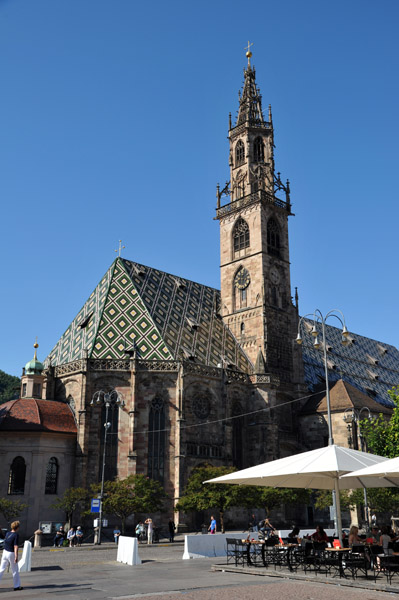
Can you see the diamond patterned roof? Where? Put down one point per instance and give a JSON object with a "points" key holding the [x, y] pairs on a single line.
{"points": [[367, 364], [165, 317], [162, 316]]}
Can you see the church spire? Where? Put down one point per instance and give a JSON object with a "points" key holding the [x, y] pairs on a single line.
{"points": [[250, 108]]}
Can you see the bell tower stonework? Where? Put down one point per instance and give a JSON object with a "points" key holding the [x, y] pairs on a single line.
{"points": [[256, 299]]}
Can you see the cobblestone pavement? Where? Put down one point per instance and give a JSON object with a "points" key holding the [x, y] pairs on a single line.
{"points": [[92, 573]]}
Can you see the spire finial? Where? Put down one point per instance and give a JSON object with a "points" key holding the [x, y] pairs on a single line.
{"points": [[120, 248], [35, 345], [248, 52]]}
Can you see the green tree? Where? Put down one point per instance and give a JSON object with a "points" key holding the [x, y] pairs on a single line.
{"points": [[71, 499], [135, 494], [10, 387], [198, 496], [382, 436], [323, 499], [11, 509]]}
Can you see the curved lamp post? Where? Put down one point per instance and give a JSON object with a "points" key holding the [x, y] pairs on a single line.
{"points": [[109, 400], [352, 418], [319, 321]]}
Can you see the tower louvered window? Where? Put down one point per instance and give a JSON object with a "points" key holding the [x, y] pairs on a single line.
{"points": [[156, 441], [240, 153], [273, 238], [51, 476], [16, 479], [259, 154], [240, 235]]}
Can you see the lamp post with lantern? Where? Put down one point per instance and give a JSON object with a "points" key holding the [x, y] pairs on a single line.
{"points": [[319, 322], [110, 400], [353, 418]]}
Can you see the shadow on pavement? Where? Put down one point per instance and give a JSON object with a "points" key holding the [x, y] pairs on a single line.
{"points": [[50, 568]]}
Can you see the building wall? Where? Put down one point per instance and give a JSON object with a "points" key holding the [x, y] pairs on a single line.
{"points": [[37, 449]]}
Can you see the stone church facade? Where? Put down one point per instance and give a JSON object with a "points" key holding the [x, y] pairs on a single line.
{"points": [[208, 376]]}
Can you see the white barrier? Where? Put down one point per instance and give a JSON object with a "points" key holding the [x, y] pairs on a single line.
{"points": [[128, 551], [203, 546], [25, 564]]}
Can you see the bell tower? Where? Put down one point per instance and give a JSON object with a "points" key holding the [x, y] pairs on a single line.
{"points": [[255, 269]]}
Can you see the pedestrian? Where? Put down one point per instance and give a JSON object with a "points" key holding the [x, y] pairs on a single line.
{"points": [[59, 536], [253, 524], [150, 530], [213, 526], [71, 537], [139, 531], [172, 528], [79, 536], [117, 533], [10, 555]]}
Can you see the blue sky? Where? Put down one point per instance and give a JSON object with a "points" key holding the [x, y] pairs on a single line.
{"points": [[114, 117]]}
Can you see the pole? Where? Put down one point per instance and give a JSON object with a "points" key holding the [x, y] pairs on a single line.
{"points": [[335, 492], [103, 472]]}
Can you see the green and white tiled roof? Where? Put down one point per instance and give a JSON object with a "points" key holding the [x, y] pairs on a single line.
{"points": [[160, 315]]}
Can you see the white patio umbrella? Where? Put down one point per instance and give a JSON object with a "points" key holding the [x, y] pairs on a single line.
{"points": [[317, 469], [382, 474]]}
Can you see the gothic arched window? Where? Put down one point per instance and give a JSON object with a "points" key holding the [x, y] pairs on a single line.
{"points": [[156, 440], [51, 476], [16, 480], [240, 153], [240, 235], [273, 237], [274, 296], [259, 153]]}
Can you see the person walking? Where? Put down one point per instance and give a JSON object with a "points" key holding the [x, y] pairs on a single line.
{"points": [[172, 528], [150, 530], [117, 533], [10, 555], [213, 526]]}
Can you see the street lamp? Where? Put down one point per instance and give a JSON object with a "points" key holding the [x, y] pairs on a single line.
{"points": [[352, 418], [109, 400], [319, 319]]}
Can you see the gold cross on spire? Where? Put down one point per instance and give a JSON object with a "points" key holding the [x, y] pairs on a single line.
{"points": [[120, 248], [248, 53]]}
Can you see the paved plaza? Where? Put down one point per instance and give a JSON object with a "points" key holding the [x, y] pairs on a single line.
{"points": [[92, 573]]}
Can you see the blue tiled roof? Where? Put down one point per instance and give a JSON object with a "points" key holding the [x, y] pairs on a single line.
{"points": [[369, 365]]}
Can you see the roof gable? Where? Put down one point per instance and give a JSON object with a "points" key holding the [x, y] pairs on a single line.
{"points": [[156, 315]]}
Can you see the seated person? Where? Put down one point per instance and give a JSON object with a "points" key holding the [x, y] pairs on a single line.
{"points": [[294, 535], [385, 540], [375, 534], [354, 536], [266, 529], [319, 535]]}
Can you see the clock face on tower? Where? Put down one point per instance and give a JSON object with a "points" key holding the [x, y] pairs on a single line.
{"points": [[242, 279]]}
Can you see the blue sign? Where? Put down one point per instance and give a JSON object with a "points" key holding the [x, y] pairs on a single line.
{"points": [[95, 505]]}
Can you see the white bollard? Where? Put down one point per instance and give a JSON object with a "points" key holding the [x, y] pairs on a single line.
{"points": [[25, 564]]}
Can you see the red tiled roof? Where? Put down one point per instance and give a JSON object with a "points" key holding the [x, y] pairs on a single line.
{"points": [[28, 414]]}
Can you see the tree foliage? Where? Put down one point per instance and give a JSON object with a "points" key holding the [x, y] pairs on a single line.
{"points": [[323, 499], [70, 501], [198, 496], [382, 437], [11, 509], [135, 494], [10, 387]]}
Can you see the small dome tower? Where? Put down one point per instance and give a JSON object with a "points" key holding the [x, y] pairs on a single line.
{"points": [[32, 378]]}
